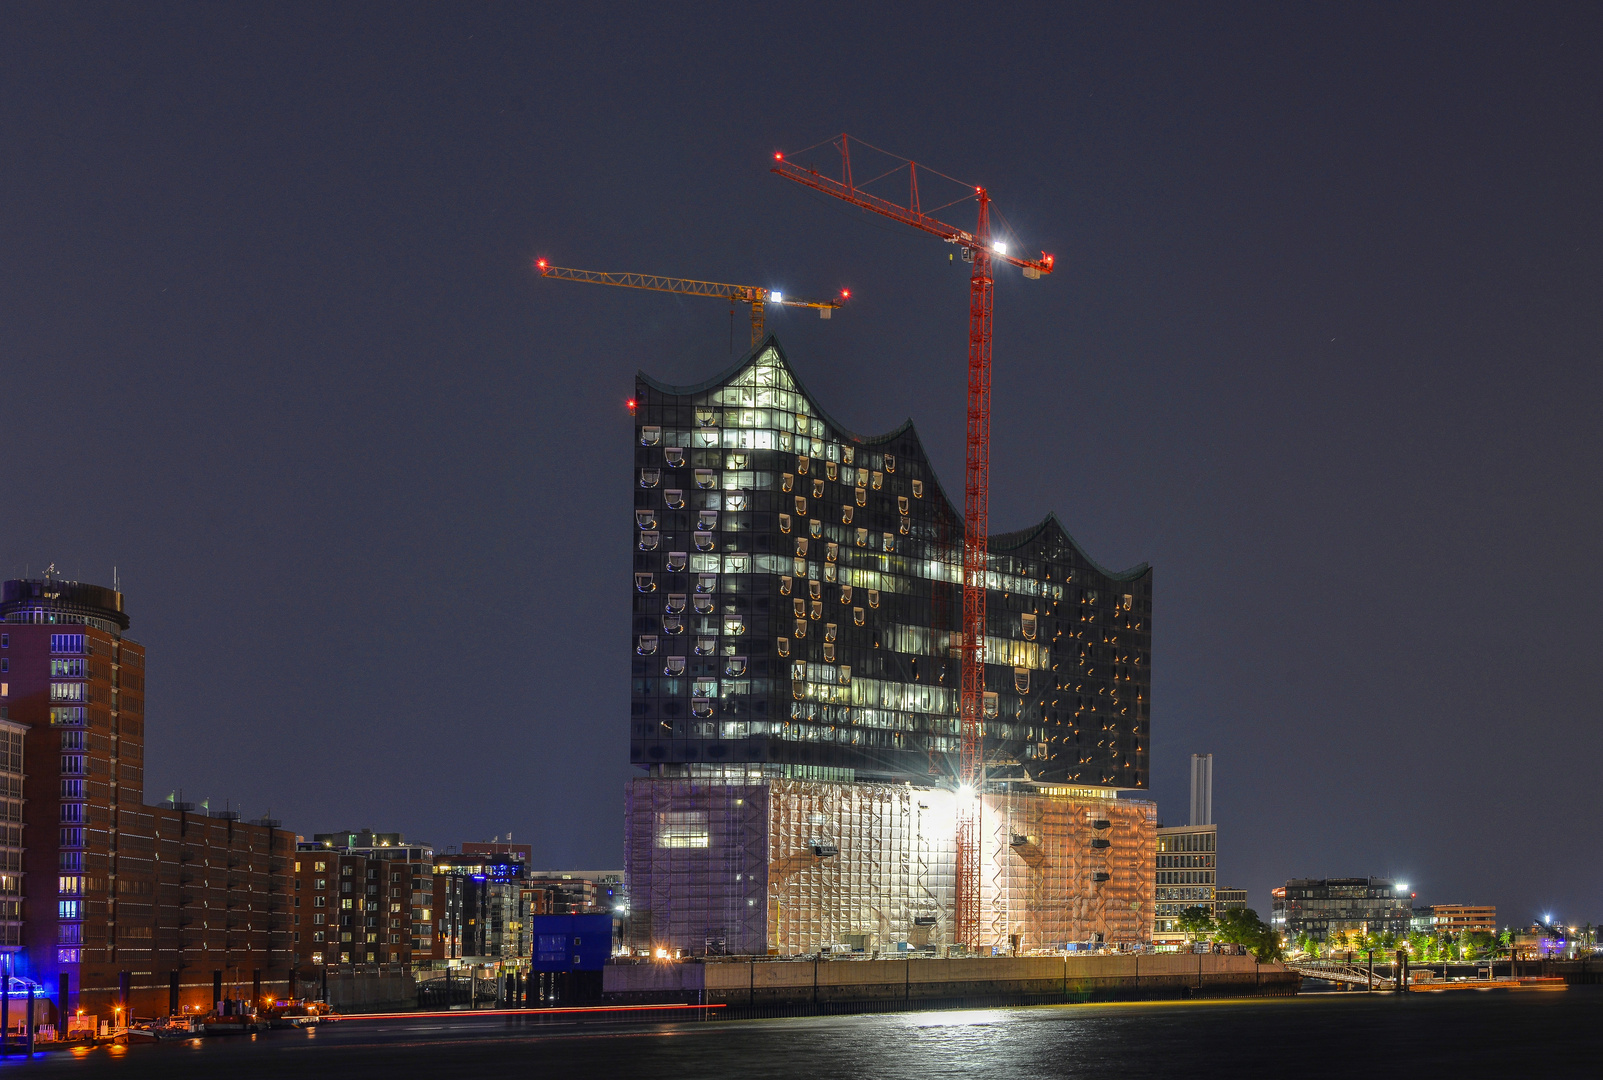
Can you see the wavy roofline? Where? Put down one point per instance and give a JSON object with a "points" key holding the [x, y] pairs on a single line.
{"points": [[1005, 540], [1019, 537]]}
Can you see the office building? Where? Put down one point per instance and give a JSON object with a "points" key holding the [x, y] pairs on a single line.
{"points": [[796, 673], [1322, 907], [1186, 876], [146, 909], [1456, 918], [1187, 868], [1227, 898]]}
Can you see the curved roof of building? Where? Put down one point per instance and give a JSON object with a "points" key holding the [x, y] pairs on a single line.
{"points": [[998, 542]]}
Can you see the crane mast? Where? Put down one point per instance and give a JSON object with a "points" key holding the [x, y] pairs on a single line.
{"points": [[978, 246], [754, 295]]}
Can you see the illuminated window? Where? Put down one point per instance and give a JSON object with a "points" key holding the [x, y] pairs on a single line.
{"points": [[862, 537], [706, 583], [857, 616], [814, 590], [847, 453], [873, 598], [650, 436], [645, 583], [801, 546], [829, 652], [888, 541], [682, 829], [705, 479], [1027, 625], [890, 464], [845, 515], [786, 481], [832, 551], [784, 584], [829, 631], [801, 628], [674, 456], [918, 489], [735, 666], [800, 606], [674, 497], [784, 646], [645, 519], [801, 505], [817, 610], [878, 480], [844, 673], [66, 643], [784, 523], [66, 669], [818, 489], [707, 520], [649, 540], [706, 646], [650, 478], [801, 465], [706, 541], [830, 470], [815, 528], [845, 594]]}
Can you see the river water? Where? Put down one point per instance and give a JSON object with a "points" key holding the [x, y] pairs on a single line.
{"points": [[1419, 1036]]}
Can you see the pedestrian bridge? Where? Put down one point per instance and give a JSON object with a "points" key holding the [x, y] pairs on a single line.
{"points": [[1342, 972]]}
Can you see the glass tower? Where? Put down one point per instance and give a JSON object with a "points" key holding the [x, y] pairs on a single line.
{"points": [[798, 611]]}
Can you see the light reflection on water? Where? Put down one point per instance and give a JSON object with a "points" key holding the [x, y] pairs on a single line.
{"points": [[1551, 1035]]}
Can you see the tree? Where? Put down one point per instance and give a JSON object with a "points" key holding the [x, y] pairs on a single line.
{"points": [[1195, 922], [1242, 926]]}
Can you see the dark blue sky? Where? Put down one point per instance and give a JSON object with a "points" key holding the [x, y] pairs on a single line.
{"points": [[1323, 347]]}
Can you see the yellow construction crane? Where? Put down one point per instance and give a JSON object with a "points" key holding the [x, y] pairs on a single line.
{"points": [[752, 295]]}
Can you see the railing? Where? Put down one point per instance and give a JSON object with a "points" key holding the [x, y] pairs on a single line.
{"points": [[1338, 971]]}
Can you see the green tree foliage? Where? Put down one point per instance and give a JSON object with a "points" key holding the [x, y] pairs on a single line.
{"points": [[1195, 922], [1243, 927]]}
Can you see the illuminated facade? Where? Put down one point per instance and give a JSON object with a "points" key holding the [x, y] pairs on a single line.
{"points": [[1186, 876], [797, 602], [761, 865], [796, 645]]}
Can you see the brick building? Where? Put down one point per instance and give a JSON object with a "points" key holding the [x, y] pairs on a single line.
{"points": [[118, 904]]}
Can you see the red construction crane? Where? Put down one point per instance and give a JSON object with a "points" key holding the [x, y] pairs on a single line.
{"points": [[979, 247]]}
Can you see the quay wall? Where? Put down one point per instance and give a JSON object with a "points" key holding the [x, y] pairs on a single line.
{"points": [[758, 983]]}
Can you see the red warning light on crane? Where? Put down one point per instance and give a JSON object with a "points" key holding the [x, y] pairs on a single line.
{"points": [[631, 403]]}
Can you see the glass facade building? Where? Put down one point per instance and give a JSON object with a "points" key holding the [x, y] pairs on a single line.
{"points": [[797, 606]]}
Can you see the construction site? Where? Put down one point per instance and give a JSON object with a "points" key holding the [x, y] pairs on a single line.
{"points": [[868, 727]]}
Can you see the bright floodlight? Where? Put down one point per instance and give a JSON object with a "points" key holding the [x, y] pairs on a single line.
{"points": [[1001, 248], [965, 791], [777, 296]]}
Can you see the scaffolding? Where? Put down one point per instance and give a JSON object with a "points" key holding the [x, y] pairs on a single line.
{"points": [[760, 865]]}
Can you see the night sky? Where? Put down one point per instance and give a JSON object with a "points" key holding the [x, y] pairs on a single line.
{"points": [[1323, 347]]}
